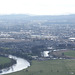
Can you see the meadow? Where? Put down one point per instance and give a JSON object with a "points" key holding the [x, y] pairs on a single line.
{"points": [[67, 53], [49, 67], [70, 53], [4, 60]]}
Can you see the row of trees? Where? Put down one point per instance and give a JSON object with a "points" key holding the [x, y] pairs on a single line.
{"points": [[16, 53]]}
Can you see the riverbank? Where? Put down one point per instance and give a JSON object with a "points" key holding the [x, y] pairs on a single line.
{"points": [[6, 62], [20, 65]]}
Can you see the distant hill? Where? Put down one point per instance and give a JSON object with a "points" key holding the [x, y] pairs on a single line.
{"points": [[18, 21], [37, 17]]}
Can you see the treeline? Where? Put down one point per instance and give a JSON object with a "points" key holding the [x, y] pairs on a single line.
{"points": [[36, 50], [16, 53], [65, 46], [24, 49]]}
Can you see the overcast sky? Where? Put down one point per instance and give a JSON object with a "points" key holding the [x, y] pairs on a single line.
{"points": [[38, 7]]}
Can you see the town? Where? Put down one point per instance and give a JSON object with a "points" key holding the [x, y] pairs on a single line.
{"points": [[29, 36]]}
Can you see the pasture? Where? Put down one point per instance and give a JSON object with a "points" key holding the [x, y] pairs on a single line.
{"points": [[49, 67]]}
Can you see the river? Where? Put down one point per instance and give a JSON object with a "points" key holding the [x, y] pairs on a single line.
{"points": [[20, 65], [45, 53]]}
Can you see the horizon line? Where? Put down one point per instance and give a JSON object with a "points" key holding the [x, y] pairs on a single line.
{"points": [[37, 14]]}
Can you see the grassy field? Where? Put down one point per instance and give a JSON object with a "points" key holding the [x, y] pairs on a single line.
{"points": [[67, 53], [70, 53], [4, 60], [49, 67]]}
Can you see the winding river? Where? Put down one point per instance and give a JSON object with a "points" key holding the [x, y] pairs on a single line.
{"points": [[20, 65]]}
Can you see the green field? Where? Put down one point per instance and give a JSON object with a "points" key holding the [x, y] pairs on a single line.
{"points": [[49, 67], [70, 53], [4, 60], [67, 53]]}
